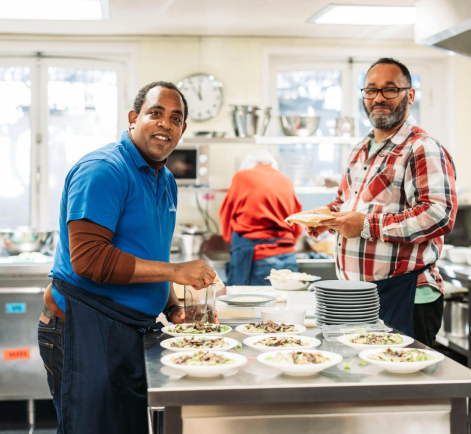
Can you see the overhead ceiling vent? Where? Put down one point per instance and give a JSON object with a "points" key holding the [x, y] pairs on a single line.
{"points": [[444, 24], [72, 10]]}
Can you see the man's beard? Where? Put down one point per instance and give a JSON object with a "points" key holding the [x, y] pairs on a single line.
{"points": [[382, 121]]}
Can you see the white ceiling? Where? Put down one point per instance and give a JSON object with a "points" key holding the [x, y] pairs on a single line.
{"points": [[216, 17]]}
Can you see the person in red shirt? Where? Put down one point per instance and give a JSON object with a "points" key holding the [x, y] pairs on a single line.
{"points": [[252, 219]]}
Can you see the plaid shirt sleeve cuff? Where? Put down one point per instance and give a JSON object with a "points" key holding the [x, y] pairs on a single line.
{"points": [[376, 224]]}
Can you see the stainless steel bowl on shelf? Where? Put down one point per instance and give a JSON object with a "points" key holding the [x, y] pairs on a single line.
{"points": [[210, 134], [250, 121], [301, 126], [26, 240]]}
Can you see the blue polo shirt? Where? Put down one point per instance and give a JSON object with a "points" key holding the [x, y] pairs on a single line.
{"points": [[115, 188]]}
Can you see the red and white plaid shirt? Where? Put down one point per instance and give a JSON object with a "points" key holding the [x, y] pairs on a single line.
{"points": [[407, 189]]}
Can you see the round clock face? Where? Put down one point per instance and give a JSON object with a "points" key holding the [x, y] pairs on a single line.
{"points": [[204, 95]]}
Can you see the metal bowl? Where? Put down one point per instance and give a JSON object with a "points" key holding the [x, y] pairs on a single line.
{"points": [[301, 126], [250, 121], [210, 134], [22, 240]]}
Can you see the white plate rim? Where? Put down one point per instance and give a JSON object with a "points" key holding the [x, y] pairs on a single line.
{"points": [[166, 344], [165, 330], [299, 329], [269, 298]]}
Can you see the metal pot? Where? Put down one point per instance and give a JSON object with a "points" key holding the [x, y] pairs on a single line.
{"points": [[190, 229], [250, 121], [191, 244], [26, 240], [455, 317], [301, 126]]}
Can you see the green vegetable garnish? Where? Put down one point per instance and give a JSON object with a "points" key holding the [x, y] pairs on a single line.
{"points": [[363, 363], [347, 366], [238, 347], [361, 332]]}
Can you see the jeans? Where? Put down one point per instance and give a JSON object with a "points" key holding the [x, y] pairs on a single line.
{"points": [[262, 267], [97, 379], [51, 349]]}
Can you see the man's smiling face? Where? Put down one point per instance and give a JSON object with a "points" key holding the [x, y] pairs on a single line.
{"points": [[158, 127], [385, 114]]}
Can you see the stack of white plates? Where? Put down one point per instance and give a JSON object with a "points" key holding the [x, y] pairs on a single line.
{"points": [[346, 302]]}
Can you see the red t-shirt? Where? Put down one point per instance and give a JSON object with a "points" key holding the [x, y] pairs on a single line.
{"points": [[256, 205]]}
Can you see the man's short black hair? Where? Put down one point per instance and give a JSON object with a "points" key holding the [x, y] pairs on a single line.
{"points": [[141, 96], [391, 61]]}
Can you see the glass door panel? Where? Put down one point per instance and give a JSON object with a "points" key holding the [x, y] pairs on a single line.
{"points": [[15, 146], [83, 116]]}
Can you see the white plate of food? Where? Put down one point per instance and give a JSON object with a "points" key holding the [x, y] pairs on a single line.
{"points": [[271, 327], [204, 363], [194, 343], [364, 341], [300, 363], [196, 329], [264, 343], [401, 360]]}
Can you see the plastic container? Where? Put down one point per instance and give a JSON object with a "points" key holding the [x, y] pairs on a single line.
{"points": [[200, 305], [283, 314]]}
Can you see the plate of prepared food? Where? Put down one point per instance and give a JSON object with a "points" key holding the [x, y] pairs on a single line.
{"points": [[192, 329], [287, 280], [204, 363], [246, 300], [300, 362], [193, 343], [362, 340], [270, 327], [264, 343], [401, 361]]}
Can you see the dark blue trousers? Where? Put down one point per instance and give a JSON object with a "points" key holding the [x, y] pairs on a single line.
{"points": [[99, 386]]}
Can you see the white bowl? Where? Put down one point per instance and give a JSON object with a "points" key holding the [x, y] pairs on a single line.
{"points": [[445, 249], [283, 314], [301, 370], [299, 329], [290, 285], [166, 331], [458, 255], [312, 343], [205, 371], [345, 339], [167, 344], [401, 367]]}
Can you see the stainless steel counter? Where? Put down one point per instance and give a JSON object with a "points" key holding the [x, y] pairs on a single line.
{"points": [[257, 385]]}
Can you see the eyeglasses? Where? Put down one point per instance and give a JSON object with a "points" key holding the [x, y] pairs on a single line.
{"points": [[387, 92]]}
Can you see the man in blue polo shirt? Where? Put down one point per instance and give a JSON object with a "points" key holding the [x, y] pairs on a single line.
{"points": [[111, 271]]}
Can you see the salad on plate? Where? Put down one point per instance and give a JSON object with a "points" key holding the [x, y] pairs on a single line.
{"points": [[198, 328], [202, 358], [391, 355], [288, 341], [199, 343], [269, 327], [298, 358]]}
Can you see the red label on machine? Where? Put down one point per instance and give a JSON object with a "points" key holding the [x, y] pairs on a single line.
{"points": [[18, 354]]}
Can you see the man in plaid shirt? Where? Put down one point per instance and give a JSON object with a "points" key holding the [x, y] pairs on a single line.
{"points": [[396, 201]]}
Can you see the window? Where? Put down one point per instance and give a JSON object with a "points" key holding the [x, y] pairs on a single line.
{"points": [[53, 111]]}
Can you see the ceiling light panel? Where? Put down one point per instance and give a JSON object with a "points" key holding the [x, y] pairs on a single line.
{"points": [[365, 15], [54, 10]]}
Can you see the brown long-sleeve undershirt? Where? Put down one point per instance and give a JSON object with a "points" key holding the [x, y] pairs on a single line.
{"points": [[93, 256]]}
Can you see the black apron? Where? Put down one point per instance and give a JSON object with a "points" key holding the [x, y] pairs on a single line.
{"points": [[239, 269], [397, 296]]}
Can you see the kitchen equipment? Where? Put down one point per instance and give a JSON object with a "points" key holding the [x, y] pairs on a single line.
{"points": [[345, 126], [250, 121], [344, 302], [283, 314], [189, 164], [210, 134], [292, 285], [24, 239], [301, 126], [455, 318], [445, 249], [308, 342], [200, 304], [458, 254], [190, 244], [191, 229]]}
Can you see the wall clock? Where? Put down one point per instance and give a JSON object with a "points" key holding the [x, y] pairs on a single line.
{"points": [[204, 95]]}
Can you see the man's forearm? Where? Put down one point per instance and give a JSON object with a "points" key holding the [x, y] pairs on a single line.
{"points": [[152, 271]]}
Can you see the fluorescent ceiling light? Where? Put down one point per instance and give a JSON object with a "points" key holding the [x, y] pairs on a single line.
{"points": [[54, 10], [365, 15]]}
